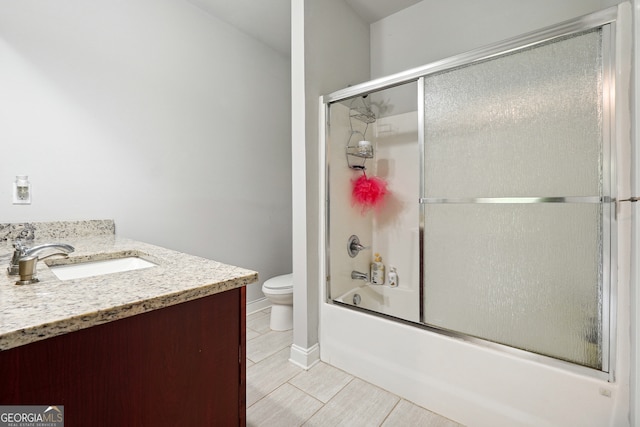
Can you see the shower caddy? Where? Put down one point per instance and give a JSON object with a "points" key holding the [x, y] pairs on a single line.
{"points": [[357, 148]]}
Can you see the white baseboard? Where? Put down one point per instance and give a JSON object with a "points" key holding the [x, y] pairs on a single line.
{"points": [[306, 358], [257, 305]]}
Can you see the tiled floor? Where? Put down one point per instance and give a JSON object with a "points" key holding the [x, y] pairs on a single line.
{"points": [[282, 394]]}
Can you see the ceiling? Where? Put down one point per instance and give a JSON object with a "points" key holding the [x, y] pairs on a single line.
{"points": [[269, 20], [374, 10]]}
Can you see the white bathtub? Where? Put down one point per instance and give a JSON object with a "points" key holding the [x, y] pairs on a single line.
{"points": [[406, 302], [466, 382]]}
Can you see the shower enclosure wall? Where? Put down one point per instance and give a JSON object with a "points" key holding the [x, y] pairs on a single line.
{"points": [[501, 228]]}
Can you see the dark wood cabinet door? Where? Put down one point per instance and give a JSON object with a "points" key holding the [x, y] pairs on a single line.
{"points": [[177, 366]]}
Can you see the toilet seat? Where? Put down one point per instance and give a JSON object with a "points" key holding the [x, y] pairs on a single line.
{"points": [[279, 284]]}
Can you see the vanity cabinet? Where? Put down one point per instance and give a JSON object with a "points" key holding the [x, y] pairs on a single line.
{"points": [[181, 365]]}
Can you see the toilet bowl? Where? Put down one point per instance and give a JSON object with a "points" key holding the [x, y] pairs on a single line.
{"points": [[279, 291]]}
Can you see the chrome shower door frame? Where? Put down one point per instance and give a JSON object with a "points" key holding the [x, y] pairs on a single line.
{"points": [[605, 19]]}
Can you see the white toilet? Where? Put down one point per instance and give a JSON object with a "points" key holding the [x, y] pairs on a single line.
{"points": [[279, 291]]}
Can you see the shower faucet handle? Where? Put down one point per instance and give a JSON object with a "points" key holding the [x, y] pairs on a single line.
{"points": [[357, 247], [354, 246]]}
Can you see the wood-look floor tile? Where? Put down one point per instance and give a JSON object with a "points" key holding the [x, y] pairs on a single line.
{"points": [[267, 344], [251, 334], [349, 401], [407, 414], [322, 381], [260, 312], [259, 321], [268, 375], [286, 406], [357, 404]]}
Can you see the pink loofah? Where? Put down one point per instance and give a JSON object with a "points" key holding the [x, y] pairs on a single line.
{"points": [[368, 192]]}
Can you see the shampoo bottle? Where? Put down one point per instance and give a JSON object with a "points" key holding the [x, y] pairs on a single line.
{"points": [[377, 271]]}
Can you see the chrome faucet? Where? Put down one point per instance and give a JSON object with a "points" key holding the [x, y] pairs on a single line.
{"points": [[356, 275], [22, 251]]}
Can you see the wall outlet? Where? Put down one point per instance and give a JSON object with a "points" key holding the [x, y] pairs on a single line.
{"points": [[22, 190]]}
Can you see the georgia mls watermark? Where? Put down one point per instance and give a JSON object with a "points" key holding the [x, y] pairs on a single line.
{"points": [[31, 416]]}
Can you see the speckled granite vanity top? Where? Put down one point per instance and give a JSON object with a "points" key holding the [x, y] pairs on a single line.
{"points": [[53, 307]]}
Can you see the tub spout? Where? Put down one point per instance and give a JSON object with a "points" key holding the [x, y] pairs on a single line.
{"points": [[356, 275]]}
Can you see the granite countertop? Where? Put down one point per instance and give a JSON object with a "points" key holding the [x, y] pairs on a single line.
{"points": [[53, 307]]}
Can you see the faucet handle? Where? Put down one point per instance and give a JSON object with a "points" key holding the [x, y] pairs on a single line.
{"points": [[19, 250], [19, 246], [354, 246]]}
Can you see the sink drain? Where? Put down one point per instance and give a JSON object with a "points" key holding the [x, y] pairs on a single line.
{"points": [[356, 299]]}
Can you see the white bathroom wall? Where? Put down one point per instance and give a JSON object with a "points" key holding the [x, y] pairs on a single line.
{"points": [[391, 229], [330, 50], [396, 225], [634, 302], [433, 30], [634, 159], [345, 217], [152, 113]]}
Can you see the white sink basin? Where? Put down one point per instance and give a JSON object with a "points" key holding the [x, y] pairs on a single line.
{"points": [[98, 268]]}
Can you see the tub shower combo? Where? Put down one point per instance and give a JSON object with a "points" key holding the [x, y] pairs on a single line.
{"points": [[500, 224]]}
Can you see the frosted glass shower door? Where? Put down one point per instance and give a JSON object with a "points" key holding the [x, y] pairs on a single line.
{"points": [[516, 163]]}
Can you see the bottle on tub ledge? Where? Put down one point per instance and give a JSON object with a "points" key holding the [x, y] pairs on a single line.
{"points": [[377, 271], [392, 277]]}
